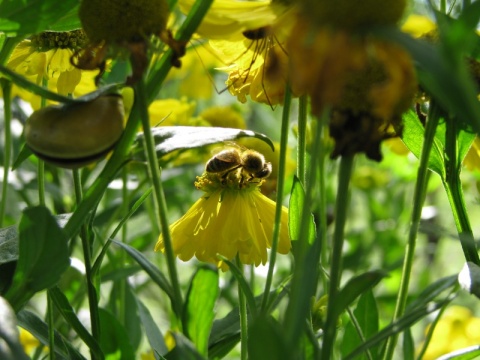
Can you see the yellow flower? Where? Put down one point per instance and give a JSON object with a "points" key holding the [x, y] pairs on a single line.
{"points": [[367, 83], [456, 329], [46, 56], [28, 341], [232, 218], [249, 38], [171, 112], [227, 18]]}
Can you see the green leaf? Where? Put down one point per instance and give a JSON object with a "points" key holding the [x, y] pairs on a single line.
{"points": [[113, 337], [154, 335], [38, 328], [366, 315], [199, 306], [183, 350], [432, 291], [43, 255], [64, 307], [10, 346], [8, 244], [265, 339], [154, 273], [295, 209], [413, 135], [408, 344], [32, 16], [171, 138], [355, 287]]}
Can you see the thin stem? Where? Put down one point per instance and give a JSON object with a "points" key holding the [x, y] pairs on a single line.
{"points": [[51, 327], [303, 283], [418, 200], [302, 138], [280, 188], [242, 306], [122, 256], [453, 188], [160, 202], [341, 207], [7, 107], [87, 258]]}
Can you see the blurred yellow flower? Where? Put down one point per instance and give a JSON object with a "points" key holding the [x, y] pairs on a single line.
{"points": [[45, 59], [28, 341], [224, 116], [232, 218], [171, 112], [367, 83], [456, 329]]}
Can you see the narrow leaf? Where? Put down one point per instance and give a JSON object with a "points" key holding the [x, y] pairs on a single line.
{"points": [[471, 352], [295, 209], [155, 274], [64, 307], [355, 287], [154, 335], [33, 324]]}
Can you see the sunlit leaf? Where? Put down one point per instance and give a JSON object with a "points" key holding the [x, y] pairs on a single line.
{"points": [[413, 136], [8, 244], [471, 352], [199, 306], [295, 208], [171, 138]]}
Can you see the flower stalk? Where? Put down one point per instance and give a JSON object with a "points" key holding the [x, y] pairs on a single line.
{"points": [[418, 200]]}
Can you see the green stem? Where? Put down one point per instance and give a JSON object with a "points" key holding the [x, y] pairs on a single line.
{"points": [[453, 188], [303, 283], [418, 200], [302, 137], [242, 306], [123, 255], [280, 188], [341, 207], [51, 326], [87, 257], [160, 202], [7, 107]]}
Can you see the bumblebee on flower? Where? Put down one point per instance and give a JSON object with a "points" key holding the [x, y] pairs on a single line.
{"points": [[233, 217]]}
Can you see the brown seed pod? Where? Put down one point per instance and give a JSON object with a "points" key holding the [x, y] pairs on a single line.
{"points": [[75, 135]]}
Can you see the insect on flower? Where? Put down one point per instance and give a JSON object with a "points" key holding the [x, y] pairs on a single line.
{"points": [[251, 163]]}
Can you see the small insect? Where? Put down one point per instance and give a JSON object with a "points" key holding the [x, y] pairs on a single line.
{"points": [[252, 163]]}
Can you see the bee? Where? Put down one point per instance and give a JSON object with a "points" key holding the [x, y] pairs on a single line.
{"points": [[251, 162]]}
